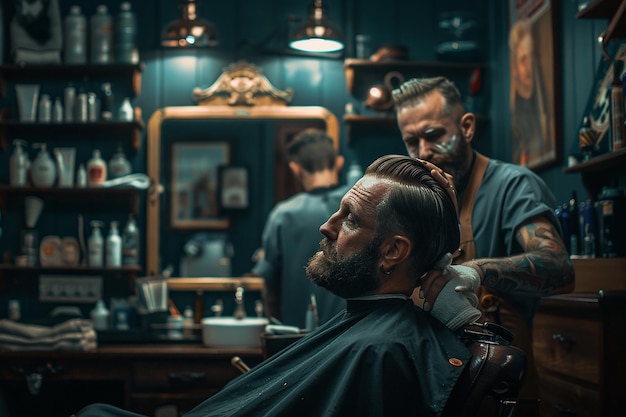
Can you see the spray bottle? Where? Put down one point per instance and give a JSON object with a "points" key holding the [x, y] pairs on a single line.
{"points": [[19, 164], [114, 247], [95, 245]]}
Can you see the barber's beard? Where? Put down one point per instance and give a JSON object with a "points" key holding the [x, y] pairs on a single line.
{"points": [[454, 162], [352, 276]]}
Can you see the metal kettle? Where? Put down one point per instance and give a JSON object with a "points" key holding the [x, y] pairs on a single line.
{"points": [[379, 96]]}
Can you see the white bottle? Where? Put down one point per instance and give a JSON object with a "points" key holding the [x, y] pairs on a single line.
{"points": [[101, 36], [81, 177], [130, 243], [100, 316], [75, 37], [43, 170], [119, 166], [126, 112], [114, 247], [96, 170], [19, 164], [95, 245]]}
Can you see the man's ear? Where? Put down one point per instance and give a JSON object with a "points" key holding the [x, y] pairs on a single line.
{"points": [[394, 250], [339, 161], [295, 168], [468, 126]]}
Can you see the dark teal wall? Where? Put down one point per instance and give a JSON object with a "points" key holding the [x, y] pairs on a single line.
{"points": [[171, 75]]}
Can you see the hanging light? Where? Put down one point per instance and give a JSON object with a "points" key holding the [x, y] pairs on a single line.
{"points": [[190, 30], [317, 34]]}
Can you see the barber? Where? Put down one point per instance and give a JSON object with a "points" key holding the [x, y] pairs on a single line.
{"points": [[511, 251]]}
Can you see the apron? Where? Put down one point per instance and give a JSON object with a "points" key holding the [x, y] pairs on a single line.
{"points": [[492, 306]]}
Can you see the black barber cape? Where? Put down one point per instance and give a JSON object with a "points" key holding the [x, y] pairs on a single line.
{"points": [[382, 357]]}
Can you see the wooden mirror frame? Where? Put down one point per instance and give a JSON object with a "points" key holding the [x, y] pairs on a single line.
{"points": [[210, 112]]}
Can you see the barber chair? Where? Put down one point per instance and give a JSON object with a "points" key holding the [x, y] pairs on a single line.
{"points": [[491, 382], [489, 385]]}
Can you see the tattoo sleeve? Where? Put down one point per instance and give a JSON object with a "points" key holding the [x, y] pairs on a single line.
{"points": [[544, 268]]}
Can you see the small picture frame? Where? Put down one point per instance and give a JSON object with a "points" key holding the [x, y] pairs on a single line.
{"points": [[195, 184], [234, 192]]}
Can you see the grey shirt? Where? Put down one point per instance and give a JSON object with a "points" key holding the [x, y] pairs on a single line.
{"points": [[291, 237], [508, 196]]}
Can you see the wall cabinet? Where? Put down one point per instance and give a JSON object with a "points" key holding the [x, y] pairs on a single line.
{"points": [[59, 203], [362, 74]]}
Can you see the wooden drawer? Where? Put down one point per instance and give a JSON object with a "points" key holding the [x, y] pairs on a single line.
{"points": [[568, 345], [561, 398], [181, 375]]}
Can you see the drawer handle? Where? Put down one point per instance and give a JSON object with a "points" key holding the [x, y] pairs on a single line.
{"points": [[569, 341], [186, 377]]}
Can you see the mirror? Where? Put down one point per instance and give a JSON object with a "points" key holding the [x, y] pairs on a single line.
{"points": [[241, 125]]}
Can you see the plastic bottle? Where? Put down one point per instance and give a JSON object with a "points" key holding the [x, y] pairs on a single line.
{"points": [[119, 166], [126, 112], [130, 242], [101, 35], [96, 170], [100, 316], [126, 51], [75, 37], [43, 170], [44, 112], [19, 164], [69, 99], [57, 111], [81, 177], [114, 247], [188, 322], [95, 245], [107, 102]]}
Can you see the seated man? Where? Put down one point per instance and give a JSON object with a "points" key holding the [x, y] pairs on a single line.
{"points": [[382, 356]]}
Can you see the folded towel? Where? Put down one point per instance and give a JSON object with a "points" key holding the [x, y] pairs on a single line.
{"points": [[71, 335]]}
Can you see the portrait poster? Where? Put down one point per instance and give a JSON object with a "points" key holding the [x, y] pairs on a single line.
{"points": [[234, 193], [533, 90], [195, 184]]}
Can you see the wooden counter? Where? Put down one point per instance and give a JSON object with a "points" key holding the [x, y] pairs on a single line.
{"points": [[140, 378]]}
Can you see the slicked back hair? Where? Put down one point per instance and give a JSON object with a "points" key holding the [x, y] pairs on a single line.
{"points": [[412, 92], [418, 207], [313, 150]]}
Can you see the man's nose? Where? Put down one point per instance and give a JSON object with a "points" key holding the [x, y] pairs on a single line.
{"points": [[329, 229], [425, 150]]}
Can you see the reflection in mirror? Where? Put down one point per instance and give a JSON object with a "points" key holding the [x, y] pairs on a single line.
{"points": [[189, 146]]}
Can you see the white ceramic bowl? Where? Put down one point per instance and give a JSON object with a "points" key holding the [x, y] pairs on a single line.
{"points": [[221, 332]]}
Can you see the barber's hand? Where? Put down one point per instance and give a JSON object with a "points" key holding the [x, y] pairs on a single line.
{"points": [[444, 179], [441, 274]]}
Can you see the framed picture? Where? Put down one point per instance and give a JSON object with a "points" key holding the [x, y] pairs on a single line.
{"points": [[234, 187], [534, 91], [194, 186]]}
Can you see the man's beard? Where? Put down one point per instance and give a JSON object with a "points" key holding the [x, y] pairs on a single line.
{"points": [[353, 276], [454, 162]]}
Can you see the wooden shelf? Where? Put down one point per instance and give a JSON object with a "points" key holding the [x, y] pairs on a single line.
{"points": [[60, 199], [362, 68], [597, 274], [601, 163], [71, 72], [216, 284], [113, 129], [614, 10]]}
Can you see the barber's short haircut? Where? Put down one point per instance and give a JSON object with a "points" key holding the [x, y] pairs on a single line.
{"points": [[418, 207], [519, 31], [313, 150], [412, 92]]}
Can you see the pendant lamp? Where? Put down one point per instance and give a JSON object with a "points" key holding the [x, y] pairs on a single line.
{"points": [[190, 31], [317, 34]]}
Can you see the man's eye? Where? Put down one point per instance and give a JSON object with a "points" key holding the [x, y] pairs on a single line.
{"points": [[434, 135]]}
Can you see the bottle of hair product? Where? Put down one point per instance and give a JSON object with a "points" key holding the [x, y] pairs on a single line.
{"points": [[95, 245], [119, 166], [81, 177], [43, 170], [100, 316], [130, 242], [96, 170], [126, 51], [75, 37], [101, 31], [106, 106], [114, 247], [19, 165]]}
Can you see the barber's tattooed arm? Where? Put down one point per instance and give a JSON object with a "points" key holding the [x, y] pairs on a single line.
{"points": [[543, 269]]}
